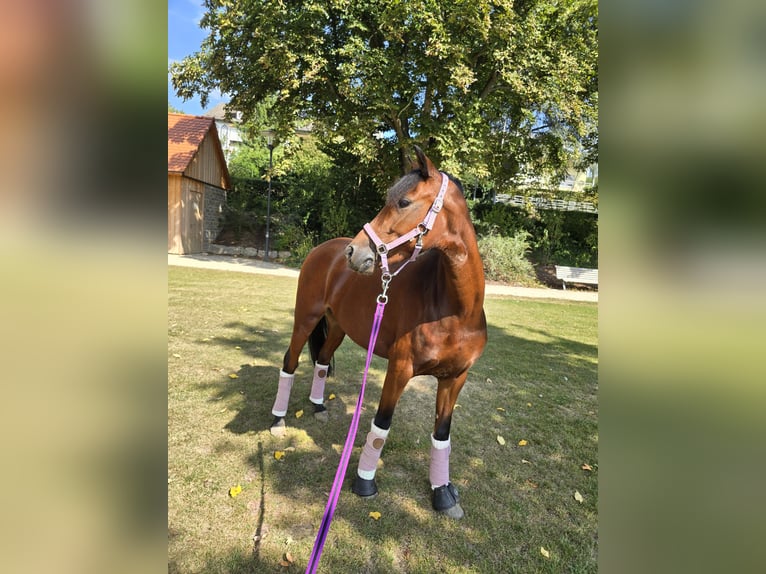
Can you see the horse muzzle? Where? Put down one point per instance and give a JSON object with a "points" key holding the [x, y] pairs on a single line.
{"points": [[359, 256]]}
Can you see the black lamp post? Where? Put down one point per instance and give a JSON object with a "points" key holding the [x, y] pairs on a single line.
{"points": [[270, 143]]}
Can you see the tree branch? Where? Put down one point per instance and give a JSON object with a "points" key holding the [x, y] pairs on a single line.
{"points": [[490, 85], [427, 100]]}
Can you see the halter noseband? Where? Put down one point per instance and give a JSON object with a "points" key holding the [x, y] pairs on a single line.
{"points": [[419, 231]]}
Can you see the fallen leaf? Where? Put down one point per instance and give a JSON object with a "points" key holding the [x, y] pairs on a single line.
{"points": [[176, 355], [331, 397], [525, 461], [544, 552], [237, 348], [375, 515], [501, 409], [233, 376], [284, 563], [501, 440], [457, 406], [522, 442], [234, 491], [578, 497], [299, 414], [289, 557], [279, 455], [586, 466], [529, 404], [489, 381], [532, 484]]}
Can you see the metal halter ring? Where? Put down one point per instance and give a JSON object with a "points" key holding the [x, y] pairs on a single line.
{"points": [[382, 249]]}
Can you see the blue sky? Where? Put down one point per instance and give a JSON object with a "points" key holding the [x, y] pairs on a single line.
{"points": [[184, 38]]}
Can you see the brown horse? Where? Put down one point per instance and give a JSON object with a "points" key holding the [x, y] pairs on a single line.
{"points": [[434, 320]]}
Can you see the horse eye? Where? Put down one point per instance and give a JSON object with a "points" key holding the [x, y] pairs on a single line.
{"points": [[404, 202]]}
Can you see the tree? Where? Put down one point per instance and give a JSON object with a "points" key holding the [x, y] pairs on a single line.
{"points": [[491, 89]]}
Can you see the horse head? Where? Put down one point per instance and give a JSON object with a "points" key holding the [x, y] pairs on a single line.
{"points": [[408, 222]]}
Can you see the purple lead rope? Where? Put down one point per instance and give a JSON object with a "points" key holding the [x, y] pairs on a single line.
{"points": [[332, 502]]}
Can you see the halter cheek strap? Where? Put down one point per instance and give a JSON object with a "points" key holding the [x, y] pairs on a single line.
{"points": [[418, 232]]}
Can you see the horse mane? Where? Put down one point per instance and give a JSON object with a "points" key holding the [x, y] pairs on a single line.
{"points": [[405, 184]]}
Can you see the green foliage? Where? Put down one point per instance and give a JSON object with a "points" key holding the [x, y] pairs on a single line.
{"points": [[487, 88], [499, 218], [567, 238], [505, 258], [243, 207], [555, 237]]}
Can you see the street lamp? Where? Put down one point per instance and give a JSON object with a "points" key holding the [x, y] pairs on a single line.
{"points": [[270, 142]]}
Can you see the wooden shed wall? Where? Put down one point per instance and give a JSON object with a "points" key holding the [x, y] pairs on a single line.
{"points": [[185, 215], [206, 164], [175, 243]]}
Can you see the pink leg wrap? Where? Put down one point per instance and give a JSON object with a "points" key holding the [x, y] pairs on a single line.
{"points": [[368, 462], [317, 385], [283, 394], [440, 450]]}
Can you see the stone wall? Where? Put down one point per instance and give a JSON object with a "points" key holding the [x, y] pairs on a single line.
{"points": [[215, 199], [237, 251]]}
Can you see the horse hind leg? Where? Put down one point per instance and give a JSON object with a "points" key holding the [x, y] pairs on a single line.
{"points": [[302, 329], [324, 340]]}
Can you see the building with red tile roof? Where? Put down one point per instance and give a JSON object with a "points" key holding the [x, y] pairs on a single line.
{"points": [[197, 182]]}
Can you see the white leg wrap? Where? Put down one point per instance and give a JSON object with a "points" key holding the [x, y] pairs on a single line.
{"points": [[368, 461], [317, 385], [283, 394], [439, 472]]}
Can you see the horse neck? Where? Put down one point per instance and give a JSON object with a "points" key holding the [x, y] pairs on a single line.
{"points": [[463, 273]]}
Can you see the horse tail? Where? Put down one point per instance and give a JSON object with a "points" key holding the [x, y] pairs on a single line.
{"points": [[317, 339]]}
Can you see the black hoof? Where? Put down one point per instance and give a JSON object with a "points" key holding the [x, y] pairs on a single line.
{"points": [[278, 426], [446, 500], [321, 414], [364, 488]]}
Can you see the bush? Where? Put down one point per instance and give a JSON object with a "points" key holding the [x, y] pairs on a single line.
{"points": [[560, 237], [299, 251], [505, 258]]}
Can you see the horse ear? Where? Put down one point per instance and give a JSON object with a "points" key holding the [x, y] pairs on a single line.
{"points": [[427, 168]]}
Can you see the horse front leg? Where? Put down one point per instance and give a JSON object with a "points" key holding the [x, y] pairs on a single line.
{"points": [[397, 376], [444, 497]]}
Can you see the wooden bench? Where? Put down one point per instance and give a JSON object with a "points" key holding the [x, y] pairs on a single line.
{"points": [[576, 275]]}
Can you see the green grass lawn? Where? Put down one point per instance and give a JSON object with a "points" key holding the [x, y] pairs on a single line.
{"points": [[537, 382]]}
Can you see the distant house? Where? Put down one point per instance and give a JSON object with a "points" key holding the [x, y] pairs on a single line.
{"points": [[197, 182], [228, 127]]}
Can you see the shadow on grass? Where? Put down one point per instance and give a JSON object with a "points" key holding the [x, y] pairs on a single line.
{"points": [[516, 500]]}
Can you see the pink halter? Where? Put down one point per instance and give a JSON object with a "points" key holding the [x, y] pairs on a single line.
{"points": [[419, 231]]}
